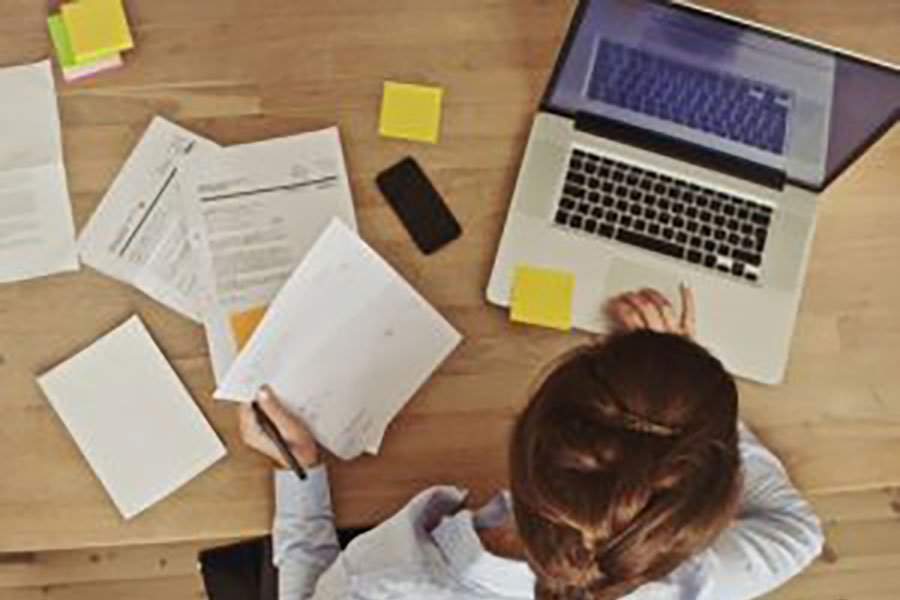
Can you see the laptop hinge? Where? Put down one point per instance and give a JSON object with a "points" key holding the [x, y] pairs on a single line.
{"points": [[679, 149]]}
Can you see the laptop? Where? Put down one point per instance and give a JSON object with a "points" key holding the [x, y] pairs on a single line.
{"points": [[679, 145]]}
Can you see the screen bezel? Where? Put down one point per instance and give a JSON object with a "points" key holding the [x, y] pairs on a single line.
{"points": [[715, 156]]}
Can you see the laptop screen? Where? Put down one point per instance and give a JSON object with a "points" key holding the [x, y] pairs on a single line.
{"points": [[728, 86]]}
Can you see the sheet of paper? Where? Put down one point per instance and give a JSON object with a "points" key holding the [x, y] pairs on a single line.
{"points": [[411, 112], [139, 232], [37, 234], [255, 210], [542, 297], [132, 418], [346, 344], [96, 28]]}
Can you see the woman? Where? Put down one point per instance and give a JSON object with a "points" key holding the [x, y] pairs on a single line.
{"points": [[630, 477]]}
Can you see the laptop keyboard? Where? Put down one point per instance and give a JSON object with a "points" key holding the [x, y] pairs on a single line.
{"points": [[611, 199], [735, 108]]}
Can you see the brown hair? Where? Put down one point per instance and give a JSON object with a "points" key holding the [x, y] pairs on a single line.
{"points": [[624, 464]]}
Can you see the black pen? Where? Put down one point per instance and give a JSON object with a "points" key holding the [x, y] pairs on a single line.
{"points": [[272, 431]]}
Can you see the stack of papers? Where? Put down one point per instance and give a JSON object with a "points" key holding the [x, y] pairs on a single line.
{"points": [[89, 36], [258, 242], [37, 234], [132, 418], [254, 211], [345, 344]]}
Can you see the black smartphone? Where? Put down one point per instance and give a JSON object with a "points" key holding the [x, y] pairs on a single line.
{"points": [[419, 206]]}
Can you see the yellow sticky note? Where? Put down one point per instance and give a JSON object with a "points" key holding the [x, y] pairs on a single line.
{"points": [[411, 112], [243, 324], [96, 28], [543, 297]]}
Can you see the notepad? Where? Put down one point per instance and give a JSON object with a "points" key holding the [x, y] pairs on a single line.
{"points": [[132, 418], [411, 112], [71, 67], [543, 297], [96, 28]]}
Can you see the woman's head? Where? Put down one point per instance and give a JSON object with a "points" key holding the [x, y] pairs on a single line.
{"points": [[624, 464]]}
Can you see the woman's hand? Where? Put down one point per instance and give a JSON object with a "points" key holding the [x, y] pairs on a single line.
{"points": [[294, 431], [648, 309]]}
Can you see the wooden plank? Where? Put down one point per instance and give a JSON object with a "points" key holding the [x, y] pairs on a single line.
{"points": [[108, 565], [173, 588]]}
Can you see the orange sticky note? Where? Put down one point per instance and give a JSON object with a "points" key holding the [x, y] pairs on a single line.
{"points": [[243, 324], [543, 297]]}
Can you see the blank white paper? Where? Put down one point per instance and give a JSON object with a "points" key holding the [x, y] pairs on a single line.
{"points": [[37, 233], [132, 418], [346, 343]]}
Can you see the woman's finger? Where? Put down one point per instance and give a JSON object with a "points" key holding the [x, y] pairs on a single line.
{"points": [[632, 316], [664, 310], [649, 311], [688, 311], [283, 419]]}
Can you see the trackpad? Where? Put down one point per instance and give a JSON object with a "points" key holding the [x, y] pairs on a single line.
{"points": [[625, 275]]}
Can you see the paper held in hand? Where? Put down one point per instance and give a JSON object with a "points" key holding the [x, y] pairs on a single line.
{"points": [[346, 343]]}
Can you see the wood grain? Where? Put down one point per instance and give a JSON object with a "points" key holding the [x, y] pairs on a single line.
{"points": [[241, 71]]}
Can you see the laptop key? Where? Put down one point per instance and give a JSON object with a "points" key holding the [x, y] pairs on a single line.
{"points": [[590, 225], [694, 256], [761, 219], [649, 243], [576, 178], [750, 258], [562, 217], [606, 230], [576, 221]]}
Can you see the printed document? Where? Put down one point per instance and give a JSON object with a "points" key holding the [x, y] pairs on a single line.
{"points": [[345, 344], [37, 234], [254, 212], [139, 232], [132, 418]]}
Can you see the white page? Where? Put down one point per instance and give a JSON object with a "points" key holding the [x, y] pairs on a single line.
{"points": [[346, 344], [132, 418], [37, 233], [254, 212], [139, 233]]}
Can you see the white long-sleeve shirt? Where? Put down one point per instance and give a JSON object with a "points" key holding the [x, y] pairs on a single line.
{"points": [[431, 549]]}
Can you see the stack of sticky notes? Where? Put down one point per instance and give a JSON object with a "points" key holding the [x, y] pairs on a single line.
{"points": [[411, 112], [89, 37], [542, 297]]}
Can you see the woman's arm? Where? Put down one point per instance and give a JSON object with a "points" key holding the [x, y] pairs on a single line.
{"points": [[775, 536], [304, 538]]}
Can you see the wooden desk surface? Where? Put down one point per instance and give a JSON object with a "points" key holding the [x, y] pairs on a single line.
{"points": [[241, 71]]}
